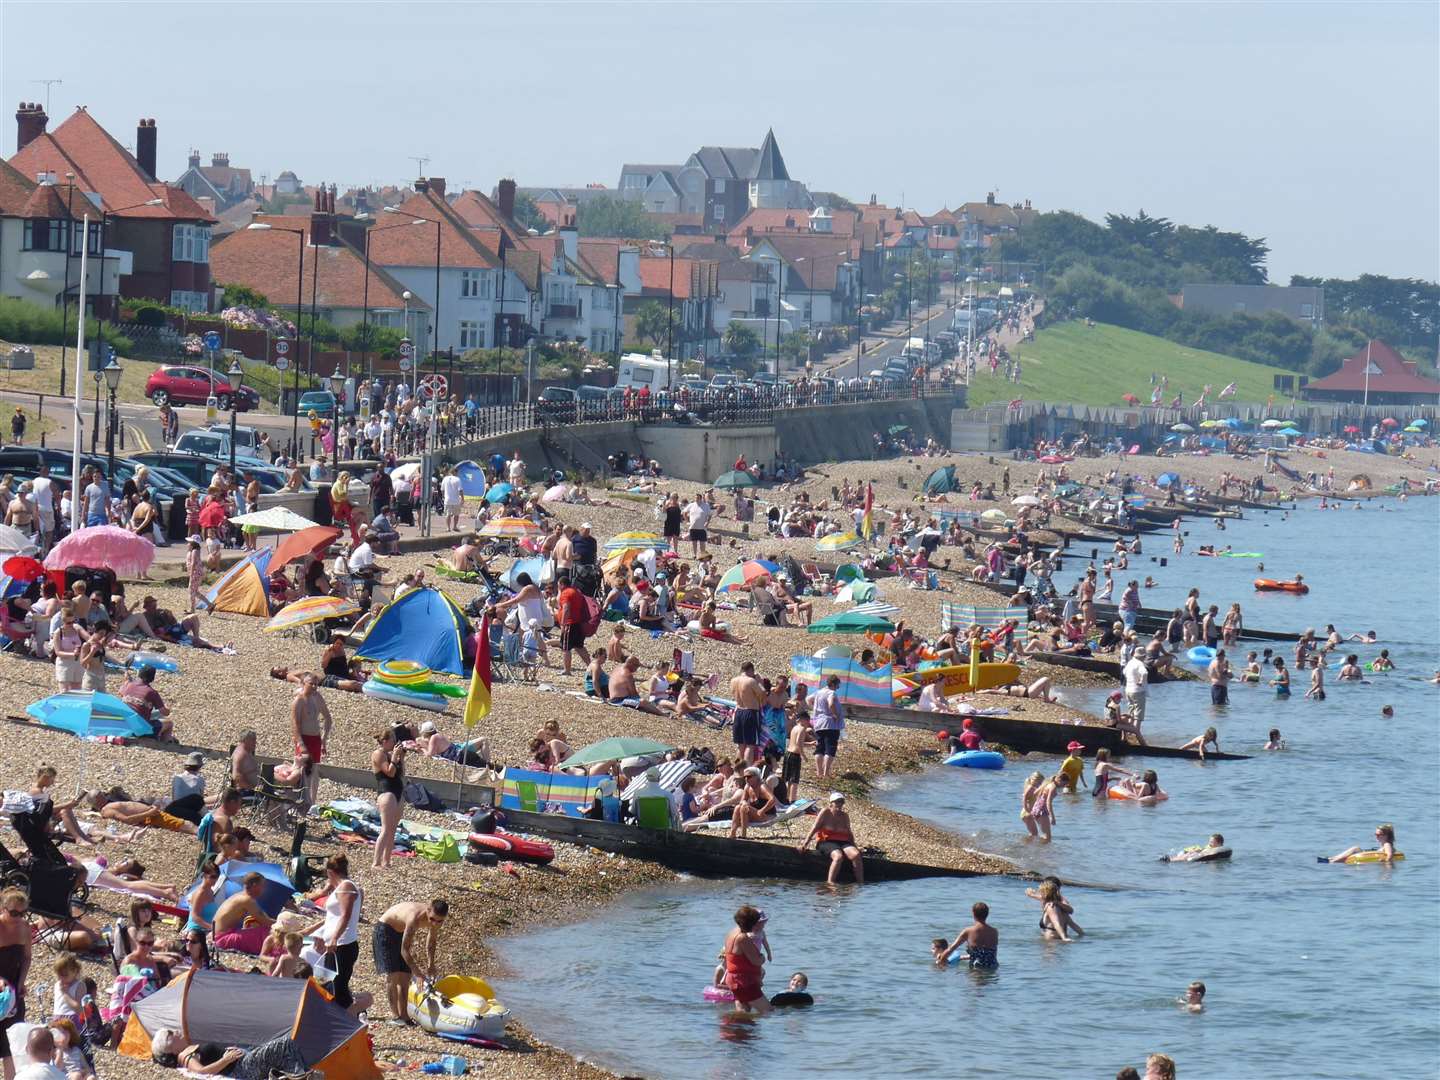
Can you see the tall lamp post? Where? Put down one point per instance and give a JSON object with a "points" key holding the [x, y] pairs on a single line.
{"points": [[260, 226], [235, 376], [435, 312], [365, 300], [112, 372]]}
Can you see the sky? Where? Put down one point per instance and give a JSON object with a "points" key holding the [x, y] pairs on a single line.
{"points": [[1316, 126]]}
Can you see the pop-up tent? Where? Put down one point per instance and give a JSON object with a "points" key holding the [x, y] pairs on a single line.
{"points": [[472, 478], [246, 1010], [244, 588], [941, 481], [425, 626]]}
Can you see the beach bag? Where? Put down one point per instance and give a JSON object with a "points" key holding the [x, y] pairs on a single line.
{"points": [[421, 797], [443, 850], [593, 617]]}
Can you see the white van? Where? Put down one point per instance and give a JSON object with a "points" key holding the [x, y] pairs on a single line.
{"points": [[654, 371]]}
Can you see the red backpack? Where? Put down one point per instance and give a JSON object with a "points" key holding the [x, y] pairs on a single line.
{"points": [[593, 618]]}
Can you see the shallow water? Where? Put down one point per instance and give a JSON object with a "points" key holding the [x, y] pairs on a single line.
{"points": [[1313, 970]]}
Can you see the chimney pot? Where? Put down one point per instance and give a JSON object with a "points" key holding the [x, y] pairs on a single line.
{"points": [[30, 121], [422, 185], [506, 191]]}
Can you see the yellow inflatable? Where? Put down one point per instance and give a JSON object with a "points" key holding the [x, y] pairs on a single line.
{"points": [[458, 1005], [957, 678], [1371, 856]]}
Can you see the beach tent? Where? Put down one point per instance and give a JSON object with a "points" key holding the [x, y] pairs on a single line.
{"points": [[472, 478], [244, 588], [278, 886], [941, 481], [536, 567], [244, 1009], [425, 626]]}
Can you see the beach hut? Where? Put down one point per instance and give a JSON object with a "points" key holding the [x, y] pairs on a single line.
{"points": [[244, 1009], [425, 626], [243, 589]]}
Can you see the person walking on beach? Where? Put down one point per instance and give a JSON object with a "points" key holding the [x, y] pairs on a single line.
{"points": [[827, 714], [749, 696], [393, 942], [570, 615], [745, 963]]}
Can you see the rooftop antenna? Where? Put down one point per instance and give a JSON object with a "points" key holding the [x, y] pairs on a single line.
{"points": [[47, 83], [420, 163]]}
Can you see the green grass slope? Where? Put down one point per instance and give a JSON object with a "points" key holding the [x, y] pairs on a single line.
{"points": [[1096, 365]]}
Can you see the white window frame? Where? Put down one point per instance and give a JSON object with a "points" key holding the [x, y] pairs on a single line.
{"points": [[719, 211], [472, 284], [472, 334]]}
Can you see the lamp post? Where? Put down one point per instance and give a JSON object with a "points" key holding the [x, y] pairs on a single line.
{"points": [[859, 306], [235, 376], [337, 387], [435, 311], [112, 373], [260, 226], [670, 320]]}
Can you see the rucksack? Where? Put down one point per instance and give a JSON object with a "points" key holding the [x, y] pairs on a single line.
{"points": [[593, 613]]}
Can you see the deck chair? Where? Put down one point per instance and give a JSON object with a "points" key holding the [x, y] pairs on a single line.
{"points": [[770, 611], [13, 635], [782, 822]]}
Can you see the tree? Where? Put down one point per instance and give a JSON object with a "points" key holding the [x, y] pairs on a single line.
{"points": [[741, 340], [652, 322], [243, 296], [606, 216], [527, 215], [795, 346]]}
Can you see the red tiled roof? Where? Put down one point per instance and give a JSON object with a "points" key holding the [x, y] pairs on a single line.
{"points": [[100, 164], [480, 212], [601, 258], [459, 244], [815, 258], [15, 191], [523, 263], [1393, 374], [655, 276], [267, 262]]}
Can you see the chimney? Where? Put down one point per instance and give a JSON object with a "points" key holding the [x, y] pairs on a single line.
{"points": [[220, 161], [990, 198], [145, 147], [194, 159], [437, 185], [422, 185], [506, 189], [30, 121], [570, 238], [322, 222]]}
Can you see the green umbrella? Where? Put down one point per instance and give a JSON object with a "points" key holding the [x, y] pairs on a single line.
{"points": [[735, 479], [850, 622], [616, 749]]}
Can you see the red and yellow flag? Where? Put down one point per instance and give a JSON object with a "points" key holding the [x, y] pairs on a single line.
{"points": [[477, 702], [867, 522]]}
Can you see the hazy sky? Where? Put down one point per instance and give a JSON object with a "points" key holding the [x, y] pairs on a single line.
{"points": [[1316, 126]]}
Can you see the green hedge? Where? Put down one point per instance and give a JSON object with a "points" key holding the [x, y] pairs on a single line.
{"points": [[24, 323]]}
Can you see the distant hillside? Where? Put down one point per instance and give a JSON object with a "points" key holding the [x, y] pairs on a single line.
{"points": [[1096, 365]]}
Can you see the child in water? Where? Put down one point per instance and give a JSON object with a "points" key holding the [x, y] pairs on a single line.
{"points": [[1252, 669], [982, 942], [1382, 662], [1276, 742], [1317, 681], [1194, 999], [795, 993], [1055, 911]]}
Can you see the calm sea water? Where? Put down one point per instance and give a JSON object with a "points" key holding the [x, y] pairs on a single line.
{"points": [[1312, 970]]}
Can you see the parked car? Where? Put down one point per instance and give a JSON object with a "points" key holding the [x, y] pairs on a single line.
{"points": [[215, 442], [247, 439], [558, 404], [23, 463], [198, 469], [321, 402], [183, 385]]}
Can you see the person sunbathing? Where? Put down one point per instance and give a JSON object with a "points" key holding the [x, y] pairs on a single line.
{"points": [[555, 739], [436, 744], [124, 877], [168, 627], [1039, 689], [714, 630], [623, 690], [134, 812]]}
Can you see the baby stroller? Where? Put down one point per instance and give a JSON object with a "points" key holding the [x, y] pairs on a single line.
{"points": [[587, 578], [57, 890]]}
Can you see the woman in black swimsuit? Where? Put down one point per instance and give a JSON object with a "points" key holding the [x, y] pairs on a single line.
{"points": [[170, 1049], [388, 761], [14, 962]]}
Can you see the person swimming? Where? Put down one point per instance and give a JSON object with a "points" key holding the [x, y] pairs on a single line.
{"points": [[1208, 852], [1194, 999], [795, 994], [1276, 742], [1385, 834]]}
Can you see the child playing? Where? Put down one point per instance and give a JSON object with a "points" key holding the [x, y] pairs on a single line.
{"points": [[510, 639], [530, 652], [1317, 681], [1252, 669], [981, 939], [1194, 998], [795, 993], [288, 962], [70, 989]]}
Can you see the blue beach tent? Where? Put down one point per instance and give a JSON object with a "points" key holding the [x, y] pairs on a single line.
{"points": [[472, 478], [278, 887], [425, 626]]}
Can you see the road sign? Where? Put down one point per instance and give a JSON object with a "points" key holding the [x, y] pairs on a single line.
{"points": [[212, 340], [404, 361], [433, 386], [407, 347], [282, 347], [282, 363]]}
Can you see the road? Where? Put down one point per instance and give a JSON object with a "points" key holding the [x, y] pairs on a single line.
{"points": [[879, 348]]}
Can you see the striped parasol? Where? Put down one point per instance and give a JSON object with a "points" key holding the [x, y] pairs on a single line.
{"points": [[839, 542], [511, 527], [881, 608], [311, 609], [740, 576], [637, 540]]}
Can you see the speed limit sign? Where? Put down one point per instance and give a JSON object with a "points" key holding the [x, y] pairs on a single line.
{"points": [[282, 347], [404, 361], [433, 386], [406, 347], [282, 363]]}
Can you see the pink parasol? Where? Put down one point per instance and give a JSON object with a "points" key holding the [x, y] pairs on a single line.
{"points": [[103, 545], [1351, 429], [1129, 399], [1390, 421]]}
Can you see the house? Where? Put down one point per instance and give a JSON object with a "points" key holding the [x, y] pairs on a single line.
{"points": [[560, 205], [335, 276], [720, 183], [1300, 302], [37, 224], [981, 222], [659, 188], [818, 284], [686, 287], [157, 236], [287, 183], [1377, 375], [742, 285], [820, 220], [218, 181]]}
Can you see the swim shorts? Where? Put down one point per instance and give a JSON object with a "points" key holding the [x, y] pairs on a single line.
{"points": [[314, 746], [790, 768], [385, 942], [827, 742], [1219, 694], [699, 536], [747, 727]]}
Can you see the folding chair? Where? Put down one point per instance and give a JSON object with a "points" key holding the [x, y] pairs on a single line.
{"points": [[13, 634]]}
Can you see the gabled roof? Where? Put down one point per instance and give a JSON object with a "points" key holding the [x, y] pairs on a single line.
{"points": [[1390, 373], [224, 176], [481, 212], [415, 246], [726, 162], [523, 263], [550, 247], [770, 219], [770, 165], [100, 164], [993, 215], [15, 191], [267, 263], [815, 258], [731, 266], [690, 276], [601, 258]]}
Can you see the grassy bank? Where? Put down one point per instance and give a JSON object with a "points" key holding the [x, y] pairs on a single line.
{"points": [[1096, 365]]}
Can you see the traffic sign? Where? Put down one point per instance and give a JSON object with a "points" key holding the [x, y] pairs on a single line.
{"points": [[282, 347], [212, 340], [433, 386], [407, 347], [282, 363], [404, 361]]}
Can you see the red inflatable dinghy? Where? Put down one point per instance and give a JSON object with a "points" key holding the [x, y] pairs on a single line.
{"points": [[515, 847]]}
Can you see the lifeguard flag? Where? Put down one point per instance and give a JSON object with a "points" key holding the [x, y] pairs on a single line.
{"points": [[477, 702], [867, 522]]}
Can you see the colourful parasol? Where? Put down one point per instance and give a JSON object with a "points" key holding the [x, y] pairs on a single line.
{"points": [[103, 545], [311, 609], [513, 528], [297, 545], [637, 540], [839, 542], [740, 576]]}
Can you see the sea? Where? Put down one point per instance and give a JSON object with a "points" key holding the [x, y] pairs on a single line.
{"points": [[1312, 970]]}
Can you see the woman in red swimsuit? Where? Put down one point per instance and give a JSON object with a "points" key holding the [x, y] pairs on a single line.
{"points": [[744, 964]]}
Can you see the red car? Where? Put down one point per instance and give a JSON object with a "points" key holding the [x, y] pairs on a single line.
{"points": [[192, 386]]}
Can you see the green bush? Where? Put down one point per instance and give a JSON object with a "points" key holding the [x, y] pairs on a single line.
{"points": [[24, 323]]}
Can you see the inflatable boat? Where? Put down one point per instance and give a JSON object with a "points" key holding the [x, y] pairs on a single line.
{"points": [[403, 695], [1271, 585], [508, 845], [976, 759], [457, 1005]]}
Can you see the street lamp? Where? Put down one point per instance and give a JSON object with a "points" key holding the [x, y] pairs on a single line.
{"points": [[435, 311], [260, 226], [365, 300], [112, 372], [235, 376], [337, 387]]}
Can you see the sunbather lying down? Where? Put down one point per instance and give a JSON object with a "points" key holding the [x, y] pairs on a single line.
{"points": [[331, 682], [1040, 689]]}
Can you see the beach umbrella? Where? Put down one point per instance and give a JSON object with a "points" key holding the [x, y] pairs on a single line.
{"points": [[13, 540], [1167, 479], [90, 716], [1273, 423], [1232, 422], [736, 478], [851, 622], [993, 515], [23, 568], [558, 493], [1421, 422], [274, 519], [403, 474], [1130, 399], [498, 493], [103, 545], [311, 609], [616, 749], [742, 574], [1414, 429], [1025, 500], [839, 542], [879, 608], [1212, 423], [297, 545], [1351, 429], [1390, 421], [1182, 428], [513, 528], [637, 540]]}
